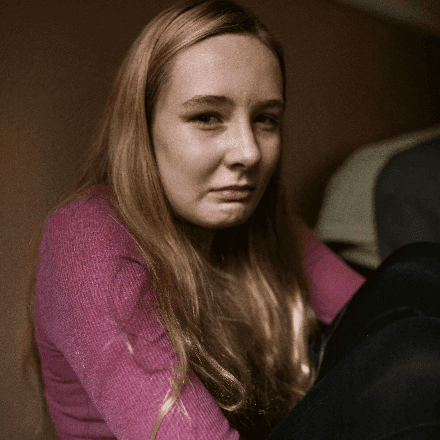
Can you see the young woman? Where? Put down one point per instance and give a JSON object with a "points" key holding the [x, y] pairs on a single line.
{"points": [[171, 300]]}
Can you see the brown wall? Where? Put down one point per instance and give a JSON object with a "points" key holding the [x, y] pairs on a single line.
{"points": [[352, 79]]}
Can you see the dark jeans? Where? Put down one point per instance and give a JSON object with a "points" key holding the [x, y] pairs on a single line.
{"points": [[380, 375]]}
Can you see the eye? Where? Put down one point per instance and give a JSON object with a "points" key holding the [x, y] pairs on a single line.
{"points": [[267, 122], [208, 120]]}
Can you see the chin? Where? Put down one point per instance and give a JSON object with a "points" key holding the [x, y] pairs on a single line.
{"points": [[230, 223], [222, 220]]}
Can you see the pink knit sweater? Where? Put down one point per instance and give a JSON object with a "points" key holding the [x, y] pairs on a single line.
{"points": [[107, 380]]}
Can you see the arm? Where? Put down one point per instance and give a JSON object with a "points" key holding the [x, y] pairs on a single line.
{"points": [[94, 297], [331, 281]]}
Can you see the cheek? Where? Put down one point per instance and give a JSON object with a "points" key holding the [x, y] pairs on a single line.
{"points": [[184, 168], [272, 159], [184, 150]]}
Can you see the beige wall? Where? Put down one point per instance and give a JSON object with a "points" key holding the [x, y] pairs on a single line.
{"points": [[352, 79]]}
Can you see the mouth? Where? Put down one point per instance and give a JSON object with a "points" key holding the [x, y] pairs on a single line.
{"points": [[235, 192], [236, 188]]}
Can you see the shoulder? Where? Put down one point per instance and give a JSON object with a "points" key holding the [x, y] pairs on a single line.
{"points": [[87, 223], [93, 206], [86, 251]]}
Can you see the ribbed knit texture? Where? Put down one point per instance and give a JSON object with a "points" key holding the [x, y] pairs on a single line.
{"points": [[106, 360]]}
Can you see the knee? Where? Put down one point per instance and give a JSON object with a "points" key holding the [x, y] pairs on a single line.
{"points": [[399, 383], [417, 264]]}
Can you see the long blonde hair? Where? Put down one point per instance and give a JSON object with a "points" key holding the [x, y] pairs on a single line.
{"points": [[242, 325]]}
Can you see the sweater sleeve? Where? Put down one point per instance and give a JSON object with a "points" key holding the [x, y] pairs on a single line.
{"points": [[331, 281], [95, 298]]}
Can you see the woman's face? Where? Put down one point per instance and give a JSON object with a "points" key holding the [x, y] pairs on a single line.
{"points": [[216, 129]]}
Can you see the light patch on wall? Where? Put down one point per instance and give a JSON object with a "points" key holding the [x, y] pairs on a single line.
{"points": [[421, 14]]}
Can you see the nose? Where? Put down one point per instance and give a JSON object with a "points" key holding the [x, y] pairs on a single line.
{"points": [[243, 149]]}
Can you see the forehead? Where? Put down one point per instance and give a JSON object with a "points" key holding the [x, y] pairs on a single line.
{"points": [[238, 66]]}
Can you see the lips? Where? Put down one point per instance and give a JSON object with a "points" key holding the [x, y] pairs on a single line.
{"points": [[235, 192], [236, 188]]}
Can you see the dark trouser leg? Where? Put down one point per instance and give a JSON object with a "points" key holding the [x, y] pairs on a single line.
{"points": [[380, 378], [406, 284]]}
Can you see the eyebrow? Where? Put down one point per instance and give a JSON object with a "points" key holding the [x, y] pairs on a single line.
{"points": [[220, 99], [207, 99]]}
